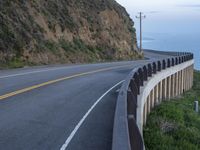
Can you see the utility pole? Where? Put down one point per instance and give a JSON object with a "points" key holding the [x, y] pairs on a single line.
{"points": [[141, 17]]}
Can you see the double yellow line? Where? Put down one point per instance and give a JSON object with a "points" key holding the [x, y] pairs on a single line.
{"points": [[57, 80]]}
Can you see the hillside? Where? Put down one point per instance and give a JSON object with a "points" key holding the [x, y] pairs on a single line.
{"points": [[64, 31]]}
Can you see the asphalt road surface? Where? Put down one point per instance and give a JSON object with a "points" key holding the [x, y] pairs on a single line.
{"points": [[61, 107]]}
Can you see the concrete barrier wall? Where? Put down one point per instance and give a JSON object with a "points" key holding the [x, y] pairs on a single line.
{"points": [[145, 87], [163, 85]]}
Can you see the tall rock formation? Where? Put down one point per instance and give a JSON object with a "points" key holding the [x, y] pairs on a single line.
{"points": [[64, 31]]}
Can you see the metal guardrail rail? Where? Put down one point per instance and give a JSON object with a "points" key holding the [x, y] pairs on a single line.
{"points": [[126, 134]]}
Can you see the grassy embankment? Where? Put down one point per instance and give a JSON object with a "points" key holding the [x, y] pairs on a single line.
{"points": [[174, 125]]}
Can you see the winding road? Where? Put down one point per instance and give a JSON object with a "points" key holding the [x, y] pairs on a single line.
{"points": [[61, 107]]}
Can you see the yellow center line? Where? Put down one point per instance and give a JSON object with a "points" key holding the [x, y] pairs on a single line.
{"points": [[56, 80]]}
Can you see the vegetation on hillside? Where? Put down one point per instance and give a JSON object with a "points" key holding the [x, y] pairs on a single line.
{"points": [[174, 125], [64, 31]]}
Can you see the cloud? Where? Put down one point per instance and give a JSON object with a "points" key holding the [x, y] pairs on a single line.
{"points": [[153, 12], [193, 5]]}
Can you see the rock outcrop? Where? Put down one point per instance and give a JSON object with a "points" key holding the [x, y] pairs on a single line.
{"points": [[64, 31]]}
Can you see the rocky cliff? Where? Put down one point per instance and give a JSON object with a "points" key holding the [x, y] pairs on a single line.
{"points": [[64, 31]]}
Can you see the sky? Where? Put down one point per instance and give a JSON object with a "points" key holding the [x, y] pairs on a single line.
{"points": [[170, 25], [166, 16]]}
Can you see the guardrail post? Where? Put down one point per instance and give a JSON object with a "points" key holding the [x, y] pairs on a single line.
{"points": [[159, 66], [156, 95], [131, 103], [192, 73], [172, 86], [152, 98], [176, 62], [145, 73], [182, 79], [134, 88], [154, 68], [141, 76], [168, 87], [163, 64], [168, 63], [145, 113], [164, 89], [137, 81], [183, 73], [149, 70], [187, 82], [182, 59], [187, 79], [172, 61], [148, 104], [176, 84], [136, 143], [179, 82], [160, 92]]}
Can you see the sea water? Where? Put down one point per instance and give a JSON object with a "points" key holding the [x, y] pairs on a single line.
{"points": [[174, 42]]}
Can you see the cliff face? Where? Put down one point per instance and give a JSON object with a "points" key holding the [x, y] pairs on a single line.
{"points": [[60, 31]]}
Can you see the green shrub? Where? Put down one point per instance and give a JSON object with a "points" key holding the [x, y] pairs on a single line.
{"points": [[178, 116], [15, 63], [52, 46], [79, 44], [67, 46]]}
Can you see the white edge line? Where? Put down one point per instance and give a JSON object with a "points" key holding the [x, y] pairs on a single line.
{"points": [[31, 72], [40, 70], [65, 145]]}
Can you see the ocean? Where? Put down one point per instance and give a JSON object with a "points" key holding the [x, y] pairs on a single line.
{"points": [[174, 42]]}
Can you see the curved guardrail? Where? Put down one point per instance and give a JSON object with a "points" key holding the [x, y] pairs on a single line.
{"points": [[126, 133]]}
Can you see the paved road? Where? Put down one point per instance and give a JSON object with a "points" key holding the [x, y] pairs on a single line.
{"points": [[61, 107]]}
